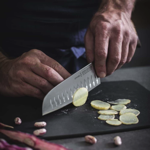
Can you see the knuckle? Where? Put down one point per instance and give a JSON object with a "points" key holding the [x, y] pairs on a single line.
{"points": [[122, 62], [36, 51], [126, 34], [133, 46], [101, 26], [101, 54], [26, 60], [134, 34], [117, 30], [118, 34], [20, 74], [104, 26], [49, 72], [134, 40], [115, 60], [43, 83]]}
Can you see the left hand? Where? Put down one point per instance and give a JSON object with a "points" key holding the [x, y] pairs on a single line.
{"points": [[110, 41]]}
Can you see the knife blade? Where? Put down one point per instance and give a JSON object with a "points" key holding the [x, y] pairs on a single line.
{"points": [[62, 94]]}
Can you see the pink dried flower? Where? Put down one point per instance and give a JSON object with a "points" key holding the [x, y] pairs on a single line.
{"points": [[31, 140]]}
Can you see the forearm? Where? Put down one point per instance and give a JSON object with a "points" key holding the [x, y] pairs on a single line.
{"points": [[123, 5]]}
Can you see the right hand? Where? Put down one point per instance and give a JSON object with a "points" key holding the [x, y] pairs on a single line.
{"points": [[32, 74]]}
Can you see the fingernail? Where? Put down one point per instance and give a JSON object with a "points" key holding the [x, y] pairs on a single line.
{"points": [[102, 75]]}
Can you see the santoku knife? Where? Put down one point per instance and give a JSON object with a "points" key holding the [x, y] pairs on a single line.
{"points": [[62, 94]]}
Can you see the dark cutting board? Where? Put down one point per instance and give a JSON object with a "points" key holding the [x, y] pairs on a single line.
{"points": [[73, 122]]}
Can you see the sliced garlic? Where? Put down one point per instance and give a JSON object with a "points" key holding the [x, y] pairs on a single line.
{"points": [[98, 104], [134, 111], [106, 117], [107, 112], [114, 122], [80, 96], [129, 118], [120, 101], [118, 107]]}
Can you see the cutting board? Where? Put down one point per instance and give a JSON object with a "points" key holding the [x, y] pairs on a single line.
{"points": [[73, 121]]}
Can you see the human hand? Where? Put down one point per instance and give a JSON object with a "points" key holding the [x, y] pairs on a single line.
{"points": [[32, 74], [110, 41]]}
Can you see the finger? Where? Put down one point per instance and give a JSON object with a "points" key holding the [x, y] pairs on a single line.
{"points": [[101, 50], [125, 50], [59, 68], [38, 82], [29, 90], [114, 55], [89, 46], [132, 48], [47, 73], [53, 64]]}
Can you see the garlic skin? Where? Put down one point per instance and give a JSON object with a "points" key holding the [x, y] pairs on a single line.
{"points": [[90, 139], [18, 120], [117, 140], [39, 132], [40, 124]]}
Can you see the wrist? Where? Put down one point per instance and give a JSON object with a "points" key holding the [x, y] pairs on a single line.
{"points": [[118, 6]]}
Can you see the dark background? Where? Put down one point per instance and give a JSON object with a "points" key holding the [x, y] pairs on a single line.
{"points": [[141, 19]]}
